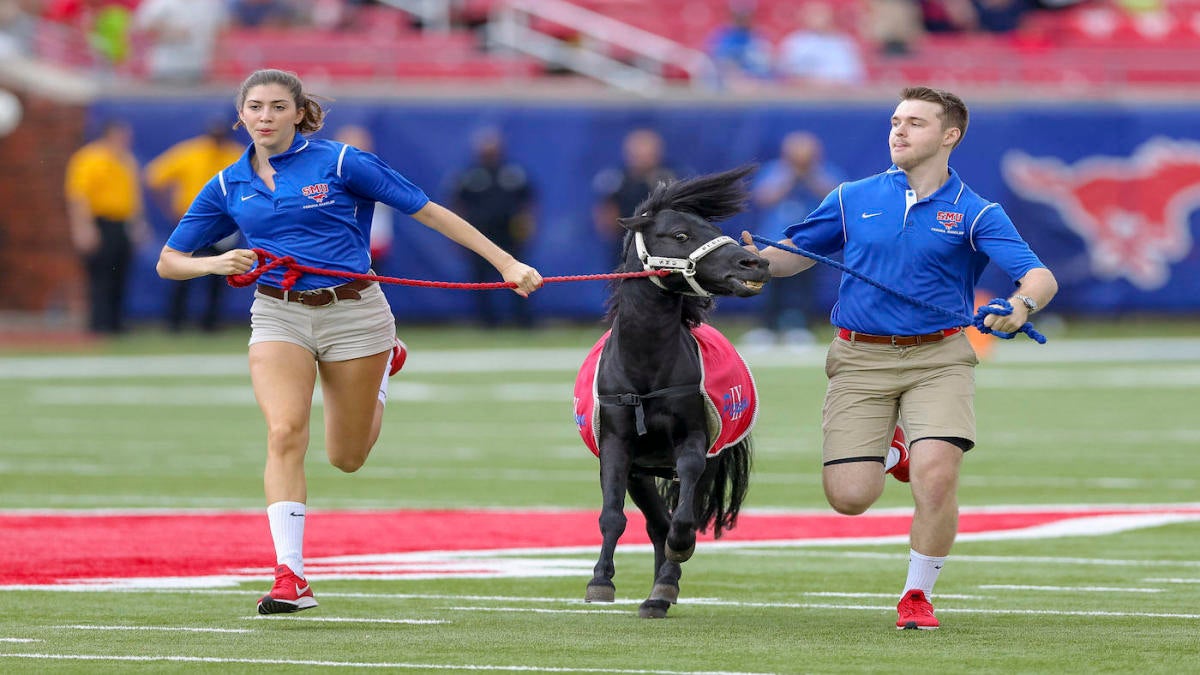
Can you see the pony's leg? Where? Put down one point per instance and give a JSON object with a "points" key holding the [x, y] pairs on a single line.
{"points": [[614, 477], [689, 466], [644, 492]]}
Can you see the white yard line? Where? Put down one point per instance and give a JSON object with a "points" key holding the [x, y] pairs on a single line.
{"points": [[535, 610], [1057, 351], [169, 629], [364, 664], [1070, 589], [344, 619], [1014, 559]]}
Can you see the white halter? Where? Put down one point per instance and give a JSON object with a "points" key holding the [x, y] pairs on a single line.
{"points": [[685, 266]]}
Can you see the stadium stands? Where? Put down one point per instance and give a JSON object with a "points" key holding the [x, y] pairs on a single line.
{"points": [[1093, 45]]}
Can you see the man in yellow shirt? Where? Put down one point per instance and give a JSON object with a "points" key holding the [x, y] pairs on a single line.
{"points": [[104, 205], [177, 176]]}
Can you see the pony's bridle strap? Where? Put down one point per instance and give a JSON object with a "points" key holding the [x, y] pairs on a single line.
{"points": [[685, 266]]}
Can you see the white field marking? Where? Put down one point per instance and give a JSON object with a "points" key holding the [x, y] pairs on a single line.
{"points": [[872, 608], [192, 395], [21, 640], [1070, 589], [1109, 483], [567, 359], [172, 629], [835, 594], [366, 664], [1016, 559], [963, 610], [535, 610], [1172, 581], [1090, 436], [343, 619], [1164, 377]]}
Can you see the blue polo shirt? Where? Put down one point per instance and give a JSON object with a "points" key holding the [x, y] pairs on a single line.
{"points": [[934, 249], [319, 213]]}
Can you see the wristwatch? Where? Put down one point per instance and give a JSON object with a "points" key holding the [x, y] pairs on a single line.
{"points": [[1029, 302]]}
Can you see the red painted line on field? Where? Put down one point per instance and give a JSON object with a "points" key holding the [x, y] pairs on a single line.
{"points": [[54, 548]]}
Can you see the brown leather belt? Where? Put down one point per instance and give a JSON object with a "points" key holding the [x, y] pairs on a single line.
{"points": [[318, 297], [897, 340]]}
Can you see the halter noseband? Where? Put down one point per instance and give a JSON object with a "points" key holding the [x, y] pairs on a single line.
{"points": [[685, 266]]}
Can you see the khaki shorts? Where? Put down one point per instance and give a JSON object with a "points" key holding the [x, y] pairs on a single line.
{"points": [[347, 329], [931, 386]]}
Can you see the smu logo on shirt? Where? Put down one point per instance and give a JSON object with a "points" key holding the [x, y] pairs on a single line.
{"points": [[950, 221], [316, 192]]}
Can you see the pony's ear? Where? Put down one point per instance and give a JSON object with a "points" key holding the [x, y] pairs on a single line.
{"points": [[634, 223]]}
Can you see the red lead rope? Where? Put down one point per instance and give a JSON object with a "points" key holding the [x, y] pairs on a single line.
{"points": [[268, 261]]}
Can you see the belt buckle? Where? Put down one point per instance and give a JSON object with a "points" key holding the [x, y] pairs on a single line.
{"points": [[303, 295]]}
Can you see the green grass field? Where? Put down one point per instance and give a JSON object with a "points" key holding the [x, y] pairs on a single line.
{"points": [[484, 420]]}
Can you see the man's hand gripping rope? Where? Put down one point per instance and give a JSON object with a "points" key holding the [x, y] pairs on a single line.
{"points": [[997, 306], [1002, 307]]}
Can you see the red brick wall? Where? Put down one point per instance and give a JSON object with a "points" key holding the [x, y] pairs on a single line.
{"points": [[39, 269]]}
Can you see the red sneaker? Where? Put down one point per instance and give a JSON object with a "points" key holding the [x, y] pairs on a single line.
{"points": [[289, 594], [915, 612], [900, 471], [399, 356]]}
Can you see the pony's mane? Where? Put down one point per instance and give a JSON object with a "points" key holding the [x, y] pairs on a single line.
{"points": [[712, 197]]}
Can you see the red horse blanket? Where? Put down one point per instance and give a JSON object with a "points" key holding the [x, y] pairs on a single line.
{"points": [[730, 397]]}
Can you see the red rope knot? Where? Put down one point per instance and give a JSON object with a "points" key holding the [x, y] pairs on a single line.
{"points": [[266, 262]]}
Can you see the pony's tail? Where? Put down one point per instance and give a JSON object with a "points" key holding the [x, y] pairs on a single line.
{"points": [[718, 506]]}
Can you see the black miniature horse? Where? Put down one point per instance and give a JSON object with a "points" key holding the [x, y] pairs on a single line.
{"points": [[653, 437]]}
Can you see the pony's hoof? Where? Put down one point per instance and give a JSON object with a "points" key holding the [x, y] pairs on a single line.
{"points": [[654, 609], [665, 592], [601, 594], [680, 556]]}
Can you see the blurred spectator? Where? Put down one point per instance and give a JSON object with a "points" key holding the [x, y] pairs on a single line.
{"points": [[383, 216], [175, 177], [820, 52], [104, 24], [948, 16], [262, 13], [183, 34], [104, 204], [895, 26], [786, 190], [620, 190], [494, 194], [17, 27], [1001, 16], [738, 50]]}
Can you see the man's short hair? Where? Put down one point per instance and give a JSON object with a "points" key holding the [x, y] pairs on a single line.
{"points": [[954, 111]]}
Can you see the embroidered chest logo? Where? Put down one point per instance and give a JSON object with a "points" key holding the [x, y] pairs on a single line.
{"points": [[316, 192], [950, 221]]}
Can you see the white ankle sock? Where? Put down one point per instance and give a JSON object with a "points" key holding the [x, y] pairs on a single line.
{"points": [[893, 458], [287, 531], [923, 572]]}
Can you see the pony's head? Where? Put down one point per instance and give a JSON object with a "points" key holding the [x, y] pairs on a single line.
{"points": [[673, 229]]}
